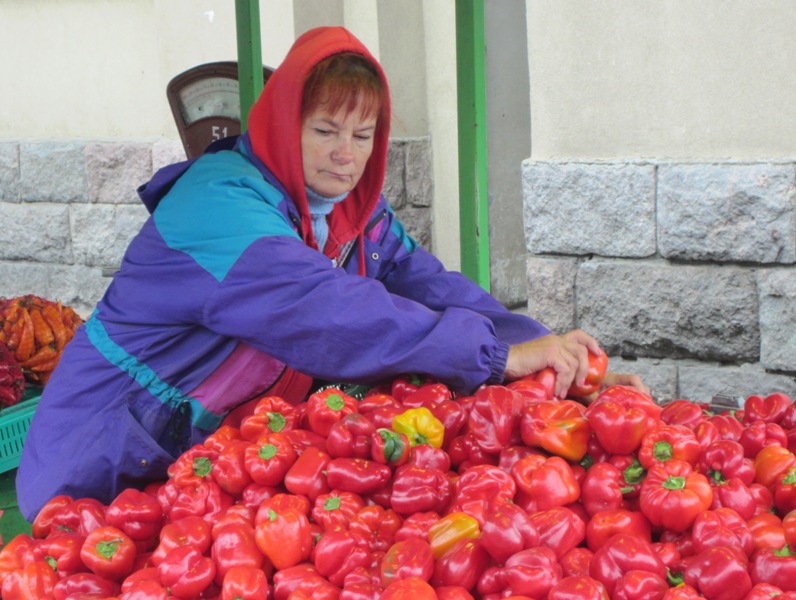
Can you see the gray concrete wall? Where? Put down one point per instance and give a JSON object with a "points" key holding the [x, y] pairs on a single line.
{"points": [[69, 209], [683, 271]]}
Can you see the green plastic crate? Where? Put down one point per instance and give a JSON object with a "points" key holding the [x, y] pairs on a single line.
{"points": [[14, 424]]}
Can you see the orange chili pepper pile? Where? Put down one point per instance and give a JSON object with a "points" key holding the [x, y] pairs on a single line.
{"points": [[36, 330]]}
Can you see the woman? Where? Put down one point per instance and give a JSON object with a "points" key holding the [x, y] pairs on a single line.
{"points": [[260, 268]]}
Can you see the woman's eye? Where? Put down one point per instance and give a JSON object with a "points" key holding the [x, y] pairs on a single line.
{"points": [[363, 137], [322, 131]]}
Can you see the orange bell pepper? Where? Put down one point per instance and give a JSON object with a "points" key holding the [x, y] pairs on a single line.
{"points": [[560, 427], [451, 528]]}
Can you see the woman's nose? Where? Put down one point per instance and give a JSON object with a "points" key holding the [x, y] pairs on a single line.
{"points": [[343, 152]]}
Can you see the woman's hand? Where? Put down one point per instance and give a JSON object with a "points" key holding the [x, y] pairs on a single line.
{"points": [[567, 354]]}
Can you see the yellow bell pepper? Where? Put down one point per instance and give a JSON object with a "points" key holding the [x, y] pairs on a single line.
{"points": [[420, 426], [451, 528]]}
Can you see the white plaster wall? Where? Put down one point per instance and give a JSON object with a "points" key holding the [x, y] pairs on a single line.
{"points": [[87, 69], [711, 79]]}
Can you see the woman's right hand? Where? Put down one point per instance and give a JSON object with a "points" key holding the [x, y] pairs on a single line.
{"points": [[567, 355]]}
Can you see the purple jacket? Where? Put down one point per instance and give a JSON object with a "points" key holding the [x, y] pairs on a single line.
{"points": [[215, 296]]}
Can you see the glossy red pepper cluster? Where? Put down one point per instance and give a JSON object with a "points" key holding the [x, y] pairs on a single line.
{"points": [[414, 492]]}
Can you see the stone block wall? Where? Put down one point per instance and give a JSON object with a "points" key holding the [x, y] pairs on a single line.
{"points": [[68, 209], [685, 272]]}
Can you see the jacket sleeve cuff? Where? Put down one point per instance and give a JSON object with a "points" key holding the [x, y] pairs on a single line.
{"points": [[498, 366]]}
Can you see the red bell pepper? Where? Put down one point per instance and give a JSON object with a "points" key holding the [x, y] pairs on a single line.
{"points": [[576, 562], [461, 565], [336, 509], [190, 531], [185, 572], [480, 488], [673, 494], [411, 587], [307, 476], [464, 452], [419, 489], [268, 459], [404, 385], [84, 585], [578, 587], [706, 434], [789, 527], [432, 392], [719, 572], [193, 466], [375, 401], [598, 365], [560, 529], [109, 552], [681, 592], [280, 502], [722, 527], [327, 407], [452, 415], [784, 491], [35, 580], [137, 514], [640, 584], [559, 427], [728, 425], [669, 442], [350, 437], [767, 530], [775, 566], [271, 415], [62, 553], [44, 522], [758, 435], [766, 591], [495, 417], [507, 529], [204, 499], [357, 475], [235, 546], [229, 470], [244, 583], [377, 525], [284, 537], [417, 525], [544, 483], [547, 379], [82, 515], [389, 447], [532, 573], [604, 487], [734, 494], [338, 552], [608, 523], [623, 553], [532, 389], [407, 558], [769, 409], [620, 416], [685, 412], [724, 460]]}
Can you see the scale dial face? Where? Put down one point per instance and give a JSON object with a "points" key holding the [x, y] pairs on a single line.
{"points": [[211, 97]]}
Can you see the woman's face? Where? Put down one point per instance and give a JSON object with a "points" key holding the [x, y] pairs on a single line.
{"points": [[335, 149]]}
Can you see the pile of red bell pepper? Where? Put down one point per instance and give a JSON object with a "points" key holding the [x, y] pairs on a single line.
{"points": [[415, 492]]}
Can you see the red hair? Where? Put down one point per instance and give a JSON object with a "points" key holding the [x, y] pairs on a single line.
{"points": [[345, 81]]}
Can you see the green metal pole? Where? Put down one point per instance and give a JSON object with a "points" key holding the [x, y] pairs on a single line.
{"points": [[250, 56], [471, 84]]}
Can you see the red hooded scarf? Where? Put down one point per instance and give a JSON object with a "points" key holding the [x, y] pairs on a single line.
{"points": [[275, 133]]}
